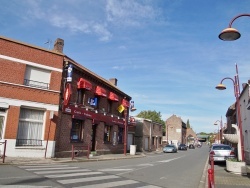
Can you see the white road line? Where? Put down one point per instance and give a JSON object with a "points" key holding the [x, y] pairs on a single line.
{"points": [[41, 166], [62, 171], [53, 168], [110, 184], [149, 186], [114, 169], [23, 186], [168, 160], [81, 180], [72, 174], [146, 164]]}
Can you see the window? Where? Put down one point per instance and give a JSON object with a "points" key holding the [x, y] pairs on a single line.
{"points": [[120, 135], [36, 77], [76, 133], [1, 126], [30, 127], [107, 133]]}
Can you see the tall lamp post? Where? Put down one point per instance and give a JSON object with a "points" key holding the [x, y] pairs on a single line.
{"points": [[230, 34], [236, 94], [219, 131]]}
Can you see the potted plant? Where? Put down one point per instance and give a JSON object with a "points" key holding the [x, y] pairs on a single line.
{"points": [[235, 166]]}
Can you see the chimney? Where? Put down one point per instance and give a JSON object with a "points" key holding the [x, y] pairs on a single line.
{"points": [[58, 45], [113, 81]]}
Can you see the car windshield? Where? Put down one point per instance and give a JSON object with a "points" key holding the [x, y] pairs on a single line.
{"points": [[171, 146], [221, 148]]}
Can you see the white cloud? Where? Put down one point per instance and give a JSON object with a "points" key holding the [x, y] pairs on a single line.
{"points": [[129, 12]]}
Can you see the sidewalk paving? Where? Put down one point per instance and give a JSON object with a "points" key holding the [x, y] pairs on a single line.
{"points": [[30, 160], [225, 179]]}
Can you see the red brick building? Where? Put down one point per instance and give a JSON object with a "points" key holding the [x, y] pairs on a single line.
{"points": [[176, 130], [29, 98], [90, 115], [49, 103]]}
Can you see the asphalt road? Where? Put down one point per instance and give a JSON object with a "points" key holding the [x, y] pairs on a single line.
{"points": [[171, 170]]}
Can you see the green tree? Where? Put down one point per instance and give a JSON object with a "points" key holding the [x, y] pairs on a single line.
{"points": [[154, 116], [188, 124]]}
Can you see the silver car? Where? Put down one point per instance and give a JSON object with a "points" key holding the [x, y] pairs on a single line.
{"points": [[170, 149], [220, 152]]}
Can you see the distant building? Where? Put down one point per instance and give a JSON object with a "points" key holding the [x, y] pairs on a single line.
{"points": [[190, 136], [176, 130], [148, 135]]}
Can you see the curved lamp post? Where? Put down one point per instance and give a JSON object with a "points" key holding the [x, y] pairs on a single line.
{"points": [[221, 86], [230, 34], [220, 132]]}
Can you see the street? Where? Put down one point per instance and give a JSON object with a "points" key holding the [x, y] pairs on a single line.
{"points": [[173, 170]]}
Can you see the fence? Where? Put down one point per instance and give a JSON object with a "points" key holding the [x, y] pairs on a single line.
{"points": [[4, 150], [211, 182], [77, 150]]}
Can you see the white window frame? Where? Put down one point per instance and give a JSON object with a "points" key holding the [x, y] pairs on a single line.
{"points": [[37, 77], [26, 138]]}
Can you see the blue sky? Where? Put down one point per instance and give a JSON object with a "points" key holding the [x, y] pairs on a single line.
{"points": [[165, 53]]}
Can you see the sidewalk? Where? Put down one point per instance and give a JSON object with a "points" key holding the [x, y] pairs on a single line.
{"points": [[23, 160], [225, 179]]}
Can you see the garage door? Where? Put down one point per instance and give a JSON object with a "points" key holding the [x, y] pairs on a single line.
{"points": [[130, 141]]}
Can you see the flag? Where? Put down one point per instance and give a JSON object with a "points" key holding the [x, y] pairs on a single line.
{"points": [[120, 108]]}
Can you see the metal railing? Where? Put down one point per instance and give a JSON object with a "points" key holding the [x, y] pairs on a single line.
{"points": [[36, 84], [211, 182], [4, 150], [28, 142]]}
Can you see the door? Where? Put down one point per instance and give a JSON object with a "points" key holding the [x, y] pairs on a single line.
{"points": [[94, 126], [1, 126], [146, 144], [130, 141]]}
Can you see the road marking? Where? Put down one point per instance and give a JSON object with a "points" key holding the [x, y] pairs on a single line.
{"points": [[147, 164], [41, 166], [64, 171], [149, 186], [168, 160], [114, 170], [72, 175], [53, 168], [110, 184], [88, 179]]}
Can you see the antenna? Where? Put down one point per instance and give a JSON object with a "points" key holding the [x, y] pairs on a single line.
{"points": [[49, 43]]}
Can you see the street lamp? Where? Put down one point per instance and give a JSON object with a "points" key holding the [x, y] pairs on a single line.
{"points": [[219, 131], [221, 86], [230, 34]]}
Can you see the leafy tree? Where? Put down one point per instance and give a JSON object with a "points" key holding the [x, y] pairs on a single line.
{"points": [[154, 116], [188, 124]]}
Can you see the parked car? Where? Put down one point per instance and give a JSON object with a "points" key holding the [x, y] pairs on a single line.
{"points": [[191, 146], [182, 147], [221, 152], [170, 149]]}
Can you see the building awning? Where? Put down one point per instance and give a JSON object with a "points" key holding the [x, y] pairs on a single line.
{"points": [[113, 97], [84, 84], [100, 91], [125, 103]]}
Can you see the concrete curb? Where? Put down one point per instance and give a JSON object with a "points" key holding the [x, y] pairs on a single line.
{"points": [[204, 180]]}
